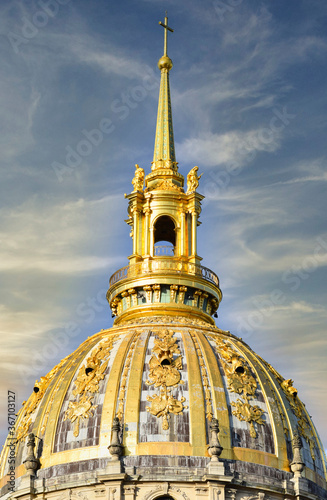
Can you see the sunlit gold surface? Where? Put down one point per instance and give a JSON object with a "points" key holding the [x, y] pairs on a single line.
{"points": [[193, 180], [207, 396], [187, 346]]}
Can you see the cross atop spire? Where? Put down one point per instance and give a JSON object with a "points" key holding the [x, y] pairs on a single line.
{"points": [[166, 27], [164, 148]]}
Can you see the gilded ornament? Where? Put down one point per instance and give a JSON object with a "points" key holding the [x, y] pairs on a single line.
{"points": [[82, 408], [22, 430], [241, 381], [46, 417], [123, 384], [205, 380], [172, 320], [168, 185], [30, 406], [89, 376], [287, 386], [87, 383], [164, 403], [163, 368], [279, 377], [245, 412], [193, 180], [138, 179], [164, 372], [304, 427]]}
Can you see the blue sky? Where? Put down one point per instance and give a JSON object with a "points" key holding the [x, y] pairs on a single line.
{"points": [[249, 108]]}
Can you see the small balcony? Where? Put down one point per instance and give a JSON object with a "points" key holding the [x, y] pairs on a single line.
{"points": [[163, 266]]}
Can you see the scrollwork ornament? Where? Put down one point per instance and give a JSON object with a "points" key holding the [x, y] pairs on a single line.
{"points": [[87, 384], [165, 364], [77, 410], [304, 426], [30, 406], [241, 381]]}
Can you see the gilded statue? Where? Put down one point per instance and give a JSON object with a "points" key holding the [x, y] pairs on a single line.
{"points": [[138, 179], [193, 179]]}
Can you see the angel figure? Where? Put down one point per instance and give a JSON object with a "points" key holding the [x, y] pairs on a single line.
{"points": [[193, 179], [138, 179]]}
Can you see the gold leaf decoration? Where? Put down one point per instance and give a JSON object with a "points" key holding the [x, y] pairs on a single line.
{"points": [[204, 377], [123, 383], [304, 426], [171, 320], [31, 405], [245, 412], [164, 372], [164, 403], [82, 408], [87, 383], [241, 381], [168, 185]]}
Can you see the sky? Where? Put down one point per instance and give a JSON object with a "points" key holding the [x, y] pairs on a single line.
{"points": [[78, 93]]}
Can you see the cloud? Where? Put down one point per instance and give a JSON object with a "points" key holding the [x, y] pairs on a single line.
{"points": [[232, 147], [88, 52], [54, 238]]}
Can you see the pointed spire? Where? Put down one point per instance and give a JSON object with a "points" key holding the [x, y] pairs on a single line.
{"points": [[164, 148]]}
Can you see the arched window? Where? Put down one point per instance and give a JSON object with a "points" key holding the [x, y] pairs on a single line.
{"points": [[164, 236]]}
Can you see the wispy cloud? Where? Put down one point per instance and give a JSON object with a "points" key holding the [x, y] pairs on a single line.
{"points": [[53, 238]]}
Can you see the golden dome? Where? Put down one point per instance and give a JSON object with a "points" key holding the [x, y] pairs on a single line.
{"points": [[166, 378], [164, 402]]}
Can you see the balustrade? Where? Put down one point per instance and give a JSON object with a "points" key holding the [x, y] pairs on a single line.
{"points": [[163, 265]]}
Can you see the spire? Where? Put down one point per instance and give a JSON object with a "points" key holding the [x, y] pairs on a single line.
{"points": [[164, 148], [164, 275]]}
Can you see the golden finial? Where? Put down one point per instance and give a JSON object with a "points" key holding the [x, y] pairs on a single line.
{"points": [[164, 149], [166, 27]]}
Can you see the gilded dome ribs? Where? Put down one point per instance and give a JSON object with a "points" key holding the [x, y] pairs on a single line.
{"points": [[204, 377], [46, 415], [125, 375], [304, 428], [31, 405]]}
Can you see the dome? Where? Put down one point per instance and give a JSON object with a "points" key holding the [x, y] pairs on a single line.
{"points": [[167, 378], [164, 404]]}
